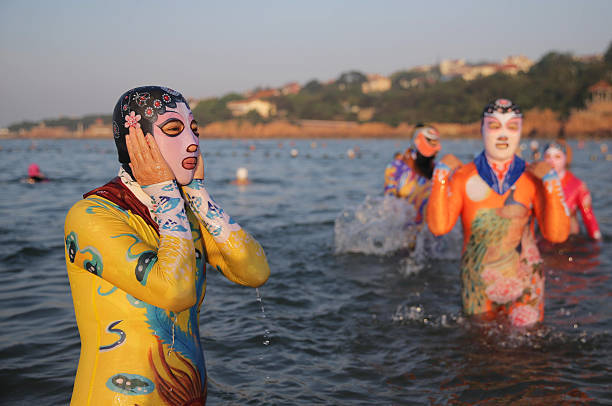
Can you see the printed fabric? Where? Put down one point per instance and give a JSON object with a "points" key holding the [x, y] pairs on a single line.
{"points": [[136, 264], [500, 265]]}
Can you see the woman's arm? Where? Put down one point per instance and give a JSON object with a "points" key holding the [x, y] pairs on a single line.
{"points": [[229, 248], [586, 210], [549, 205], [446, 199], [390, 186]]}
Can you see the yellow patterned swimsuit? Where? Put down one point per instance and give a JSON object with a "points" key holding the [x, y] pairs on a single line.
{"points": [[138, 278]]}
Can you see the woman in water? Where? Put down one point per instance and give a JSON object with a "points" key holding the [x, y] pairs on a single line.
{"points": [[135, 252], [409, 175], [498, 200], [577, 196]]}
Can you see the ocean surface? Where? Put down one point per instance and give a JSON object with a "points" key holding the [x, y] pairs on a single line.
{"points": [[358, 310]]}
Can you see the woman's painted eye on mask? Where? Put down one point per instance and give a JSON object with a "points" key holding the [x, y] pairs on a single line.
{"points": [[493, 125], [194, 127], [172, 127], [513, 126]]}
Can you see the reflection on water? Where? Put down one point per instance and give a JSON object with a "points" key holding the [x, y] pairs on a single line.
{"points": [[361, 307]]}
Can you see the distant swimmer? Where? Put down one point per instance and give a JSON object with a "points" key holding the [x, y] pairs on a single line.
{"points": [[498, 198], [408, 176], [35, 175], [242, 177], [577, 196]]}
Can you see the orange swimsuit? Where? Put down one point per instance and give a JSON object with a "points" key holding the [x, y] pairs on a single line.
{"points": [[500, 265]]}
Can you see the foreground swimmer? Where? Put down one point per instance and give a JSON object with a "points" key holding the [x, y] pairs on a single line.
{"points": [[136, 250], [497, 199], [577, 196], [409, 175]]}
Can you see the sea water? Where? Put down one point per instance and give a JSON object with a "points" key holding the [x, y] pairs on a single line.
{"points": [[347, 323]]}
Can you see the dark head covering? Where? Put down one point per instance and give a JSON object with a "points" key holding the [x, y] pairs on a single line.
{"points": [[502, 106], [139, 107]]}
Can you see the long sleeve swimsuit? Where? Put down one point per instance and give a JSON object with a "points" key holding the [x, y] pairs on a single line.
{"points": [[136, 264], [578, 197], [500, 264]]}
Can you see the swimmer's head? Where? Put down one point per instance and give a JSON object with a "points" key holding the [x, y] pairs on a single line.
{"points": [[501, 127], [558, 155], [426, 140], [242, 174], [165, 114], [33, 170]]}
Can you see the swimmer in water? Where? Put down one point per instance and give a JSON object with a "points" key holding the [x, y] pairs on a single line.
{"points": [[498, 199], [408, 176], [136, 253], [35, 175], [242, 177], [577, 196]]}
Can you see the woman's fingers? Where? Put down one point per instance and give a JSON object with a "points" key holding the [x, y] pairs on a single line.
{"points": [[143, 146], [133, 147], [154, 149]]}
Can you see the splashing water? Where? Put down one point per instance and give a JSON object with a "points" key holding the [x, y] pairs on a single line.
{"points": [[266, 336], [379, 226], [385, 225]]}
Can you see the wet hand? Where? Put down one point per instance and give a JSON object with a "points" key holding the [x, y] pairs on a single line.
{"points": [[147, 163], [451, 161], [539, 169]]}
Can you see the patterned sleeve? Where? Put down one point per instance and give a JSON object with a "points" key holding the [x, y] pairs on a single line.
{"points": [[107, 241], [390, 187], [586, 210], [445, 201], [551, 210], [229, 248]]}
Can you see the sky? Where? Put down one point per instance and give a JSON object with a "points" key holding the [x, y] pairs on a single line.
{"points": [[72, 58]]}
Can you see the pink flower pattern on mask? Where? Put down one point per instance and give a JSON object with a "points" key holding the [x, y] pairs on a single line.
{"points": [[505, 290], [523, 316], [132, 120]]}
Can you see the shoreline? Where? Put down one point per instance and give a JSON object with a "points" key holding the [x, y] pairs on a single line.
{"points": [[594, 122]]}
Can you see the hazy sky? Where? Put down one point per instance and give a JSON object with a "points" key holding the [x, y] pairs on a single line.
{"points": [[77, 57]]}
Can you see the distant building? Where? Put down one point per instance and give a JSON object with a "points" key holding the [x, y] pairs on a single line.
{"points": [[376, 83], [601, 92], [422, 68], [521, 62], [452, 67], [261, 93], [242, 107], [510, 65], [473, 72], [290, 88], [98, 129]]}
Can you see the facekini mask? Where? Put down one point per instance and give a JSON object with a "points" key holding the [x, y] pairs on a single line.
{"points": [[164, 114], [501, 127]]}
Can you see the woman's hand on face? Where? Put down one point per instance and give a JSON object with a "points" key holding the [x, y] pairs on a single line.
{"points": [[147, 163], [199, 170]]}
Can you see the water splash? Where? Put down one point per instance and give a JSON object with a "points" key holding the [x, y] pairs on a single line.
{"points": [[385, 225], [379, 226], [266, 336]]}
